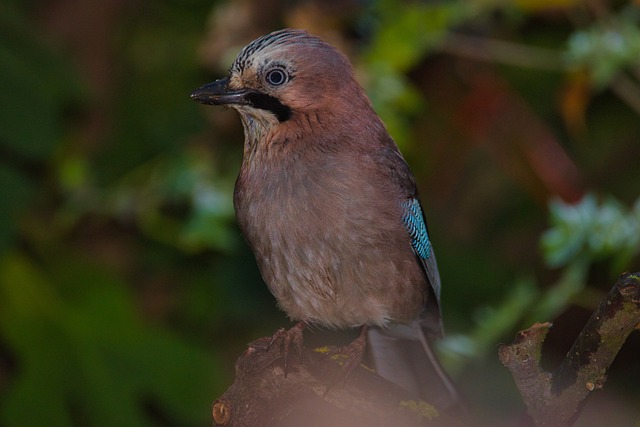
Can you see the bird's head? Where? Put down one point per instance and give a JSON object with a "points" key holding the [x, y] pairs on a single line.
{"points": [[286, 80]]}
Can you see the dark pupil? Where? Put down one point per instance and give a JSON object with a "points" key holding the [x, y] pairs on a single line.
{"points": [[276, 77]]}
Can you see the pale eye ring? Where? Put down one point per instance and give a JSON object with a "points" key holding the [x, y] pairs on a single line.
{"points": [[276, 77]]}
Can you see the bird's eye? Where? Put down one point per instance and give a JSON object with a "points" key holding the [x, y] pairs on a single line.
{"points": [[276, 77]]}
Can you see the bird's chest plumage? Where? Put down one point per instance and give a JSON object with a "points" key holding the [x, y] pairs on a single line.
{"points": [[329, 241]]}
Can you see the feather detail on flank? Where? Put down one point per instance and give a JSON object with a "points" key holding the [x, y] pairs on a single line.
{"points": [[413, 220]]}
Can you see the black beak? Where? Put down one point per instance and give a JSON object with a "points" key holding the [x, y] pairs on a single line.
{"points": [[218, 93]]}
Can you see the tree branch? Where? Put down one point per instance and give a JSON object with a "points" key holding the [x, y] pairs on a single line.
{"points": [[262, 395], [554, 399]]}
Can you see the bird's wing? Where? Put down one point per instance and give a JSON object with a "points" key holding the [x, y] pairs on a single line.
{"points": [[403, 353], [416, 226], [413, 220], [413, 217]]}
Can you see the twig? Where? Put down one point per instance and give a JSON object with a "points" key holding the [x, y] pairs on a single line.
{"points": [[492, 50], [554, 399], [627, 90]]}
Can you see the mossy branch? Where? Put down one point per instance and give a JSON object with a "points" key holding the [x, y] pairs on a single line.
{"points": [[263, 395], [554, 398]]}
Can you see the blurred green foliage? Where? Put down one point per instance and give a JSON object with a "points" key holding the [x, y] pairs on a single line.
{"points": [[125, 289], [580, 235], [607, 48], [81, 345], [403, 34], [592, 230]]}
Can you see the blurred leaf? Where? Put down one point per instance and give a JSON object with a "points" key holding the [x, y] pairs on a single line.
{"points": [[15, 192], [592, 231], [153, 111], [405, 33], [560, 295], [87, 350], [537, 5], [177, 200], [408, 30], [36, 86], [493, 323], [574, 102], [394, 100], [606, 48]]}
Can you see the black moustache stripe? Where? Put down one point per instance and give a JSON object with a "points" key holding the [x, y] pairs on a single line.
{"points": [[269, 103]]}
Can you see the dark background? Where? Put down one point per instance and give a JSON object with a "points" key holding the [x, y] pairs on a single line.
{"points": [[126, 291]]}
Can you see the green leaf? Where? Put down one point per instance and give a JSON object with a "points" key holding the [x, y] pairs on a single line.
{"points": [[493, 323], [15, 192], [86, 356], [590, 230], [36, 86], [608, 47]]}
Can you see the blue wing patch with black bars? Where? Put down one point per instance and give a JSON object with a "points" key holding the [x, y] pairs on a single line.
{"points": [[413, 220]]}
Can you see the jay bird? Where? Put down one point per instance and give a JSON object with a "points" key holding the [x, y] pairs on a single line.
{"points": [[330, 208]]}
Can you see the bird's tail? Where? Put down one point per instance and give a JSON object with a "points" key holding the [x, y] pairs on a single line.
{"points": [[403, 355]]}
